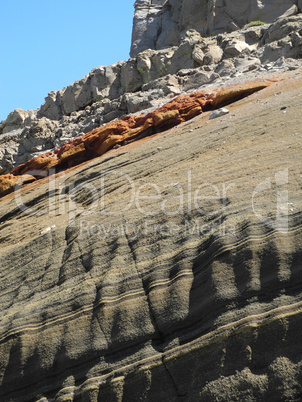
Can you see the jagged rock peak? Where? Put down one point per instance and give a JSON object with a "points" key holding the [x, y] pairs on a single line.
{"points": [[160, 23]]}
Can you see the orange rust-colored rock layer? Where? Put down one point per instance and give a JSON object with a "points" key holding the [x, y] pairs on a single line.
{"points": [[9, 182], [130, 128]]}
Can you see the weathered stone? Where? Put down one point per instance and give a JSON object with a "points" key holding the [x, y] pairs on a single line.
{"points": [[225, 68], [235, 48], [157, 24], [144, 65], [106, 82], [169, 33], [254, 34], [198, 55], [244, 65], [11, 182], [182, 58], [282, 28], [213, 55], [161, 62], [142, 100], [131, 79], [15, 120], [219, 113], [100, 140], [76, 96], [229, 94], [193, 37], [271, 52], [168, 84], [199, 79], [52, 107], [146, 25]]}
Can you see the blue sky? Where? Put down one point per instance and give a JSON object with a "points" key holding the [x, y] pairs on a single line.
{"points": [[45, 46]]}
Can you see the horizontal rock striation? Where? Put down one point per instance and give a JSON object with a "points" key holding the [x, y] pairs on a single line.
{"points": [[169, 270]]}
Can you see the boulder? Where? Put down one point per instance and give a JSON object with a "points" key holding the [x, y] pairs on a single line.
{"points": [[225, 68], [253, 34], [213, 55], [15, 120], [235, 48], [168, 85], [192, 36], [76, 96], [161, 62], [106, 82], [51, 108], [270, 52], [282, 28], [197, 80], [182, 58], [198, 55], [144, 64], [131, 79], [247, 64], [219, 113]]}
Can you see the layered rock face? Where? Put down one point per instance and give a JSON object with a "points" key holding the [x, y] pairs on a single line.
{"points": [[150, 247], [160, 24], [168, 270]]}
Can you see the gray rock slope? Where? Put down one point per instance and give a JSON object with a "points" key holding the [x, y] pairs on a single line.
{"points": [[165, 271], [169, 269]]}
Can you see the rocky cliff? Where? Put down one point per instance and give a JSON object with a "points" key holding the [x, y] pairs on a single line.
{"points": [[162, 23], [150, 79], [151, 234]]}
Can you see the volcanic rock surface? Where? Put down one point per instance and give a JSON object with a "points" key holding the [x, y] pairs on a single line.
{"points": [[150, 251], [168, 269]]}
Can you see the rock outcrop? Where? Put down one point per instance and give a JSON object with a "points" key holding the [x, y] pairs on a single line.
{"points": [[147, 81], [159, 24], [129, 129], [169, 270]]}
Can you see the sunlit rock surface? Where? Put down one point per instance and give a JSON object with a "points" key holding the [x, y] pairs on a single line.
{"points": [[121, 132], [168, 269]]}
